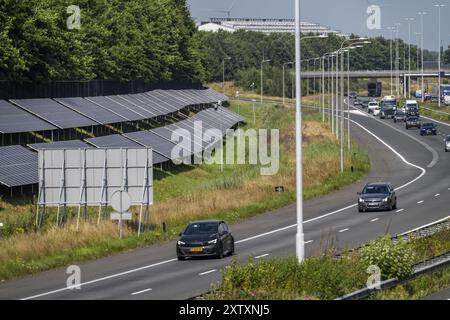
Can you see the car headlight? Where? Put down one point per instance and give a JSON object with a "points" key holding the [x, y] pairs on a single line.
{"points": [[361, 200], [213, 241], [386, 199], [180, 243]]}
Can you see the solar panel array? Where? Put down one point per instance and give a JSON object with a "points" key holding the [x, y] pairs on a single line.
{"points": [[14, 120], [18, 166], [69, 144], [26, 115], [55, 113]]}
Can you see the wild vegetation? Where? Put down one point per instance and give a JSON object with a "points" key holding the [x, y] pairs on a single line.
{"points": [[328, 277]]}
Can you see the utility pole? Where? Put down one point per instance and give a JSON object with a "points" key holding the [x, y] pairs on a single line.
{"points": [[409, 55], [421, 44], [300, 237], [439, 6]]}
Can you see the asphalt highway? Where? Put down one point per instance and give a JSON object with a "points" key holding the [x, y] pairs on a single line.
{"points": [[417, 166]]}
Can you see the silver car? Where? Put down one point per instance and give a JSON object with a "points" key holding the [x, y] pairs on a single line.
{"points": [[447, 144]]}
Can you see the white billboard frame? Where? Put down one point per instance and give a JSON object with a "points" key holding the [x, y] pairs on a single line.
{"points": [[89, 177]]}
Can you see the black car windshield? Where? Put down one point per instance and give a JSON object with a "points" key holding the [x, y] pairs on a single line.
{"points": [[375, 189], [448, 138], [428, 125], [202, 228]]}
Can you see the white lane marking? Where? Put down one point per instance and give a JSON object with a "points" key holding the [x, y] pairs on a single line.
{"points": [[262, 256], [100, 279], [142, 291], [437, 194], [207, 272], [344, 230], [433, 152], [257, 236], [424, 226], [421, 201], [310, 241], [373, 220], [400, 210]]}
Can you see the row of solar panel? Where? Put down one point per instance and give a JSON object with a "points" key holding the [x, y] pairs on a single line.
{"points": [[19, 165], [29, 115]]}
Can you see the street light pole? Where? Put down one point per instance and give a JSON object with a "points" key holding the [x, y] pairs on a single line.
{"points": [[409, 56], [421, 44], [323, 88], [439, 6], [391, 29], [397, 58], [300, 237], [262, 62]]}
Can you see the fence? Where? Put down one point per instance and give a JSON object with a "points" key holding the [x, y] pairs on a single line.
{"points": [[62, 89]]}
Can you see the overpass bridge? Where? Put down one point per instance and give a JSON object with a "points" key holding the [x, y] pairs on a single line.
{"points": [[379, 74]]}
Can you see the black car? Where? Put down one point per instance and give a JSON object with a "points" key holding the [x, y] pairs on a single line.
{"points": [[412, 122], [377, 196], [205, 238], [399, 115], [353, 95], [428, 128]]}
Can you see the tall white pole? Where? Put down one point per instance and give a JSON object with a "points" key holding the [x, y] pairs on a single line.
{"points": [[323, 89], [348, 101], [408, 87], [337, 96], [262, 81], [342, 112], [332, 94], [300, 237], [439, 6], [421, 44]]}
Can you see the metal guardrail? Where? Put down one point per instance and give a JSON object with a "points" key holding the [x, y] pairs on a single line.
{"points": [[421, 268]]}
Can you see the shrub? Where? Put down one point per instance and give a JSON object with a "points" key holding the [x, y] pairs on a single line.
{"points": [[395, 259]]}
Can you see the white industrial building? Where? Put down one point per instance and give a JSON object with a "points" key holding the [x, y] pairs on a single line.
{"points": [[262, 25]]}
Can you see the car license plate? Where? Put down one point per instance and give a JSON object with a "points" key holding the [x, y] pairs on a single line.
{"points": [[197, 250]]}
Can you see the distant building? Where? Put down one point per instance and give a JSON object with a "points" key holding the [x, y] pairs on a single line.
{"points": [[263, 25]]}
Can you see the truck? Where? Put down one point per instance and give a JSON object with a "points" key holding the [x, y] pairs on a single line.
{"points": [[411, 108], [388, 106], [374, 89], [445, 91]]}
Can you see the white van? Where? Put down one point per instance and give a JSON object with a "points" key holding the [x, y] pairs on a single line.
{"points": [[373, 106]]}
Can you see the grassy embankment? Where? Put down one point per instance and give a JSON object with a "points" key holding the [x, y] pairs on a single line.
{"points": [[183, 194], [325, 277]]}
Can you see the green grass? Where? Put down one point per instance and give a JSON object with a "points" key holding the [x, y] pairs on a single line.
{"points": [[170, 187]]}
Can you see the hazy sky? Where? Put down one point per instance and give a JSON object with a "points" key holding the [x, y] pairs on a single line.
{"points": [[348, 16]]}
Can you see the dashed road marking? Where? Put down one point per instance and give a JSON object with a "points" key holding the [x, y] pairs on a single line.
{"points": [[437, 194], [142, 291], [207, 272], [399, 210], [262, 256], [421, 201], [310, 241], [343, 230], [373, 220]]}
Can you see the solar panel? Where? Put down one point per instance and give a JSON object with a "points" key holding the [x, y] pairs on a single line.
{"points": [[164, 105], [14, 120], [91, 110], [70, 144], [55, 113], [144, 104], [181, 95], [18, 166], [163, 96], [126, 104], [129, 114], [189, 126], [113, 141], [150, 139]]}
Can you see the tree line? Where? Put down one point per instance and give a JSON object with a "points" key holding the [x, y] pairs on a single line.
{"points": [[120, 40], [247, 49]]}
